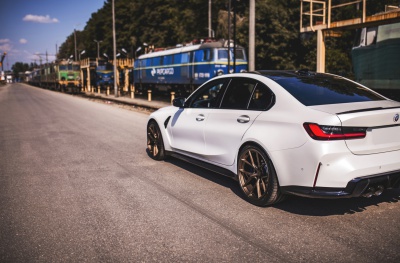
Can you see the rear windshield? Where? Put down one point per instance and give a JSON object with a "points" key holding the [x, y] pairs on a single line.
{"points": [[325, 89]]}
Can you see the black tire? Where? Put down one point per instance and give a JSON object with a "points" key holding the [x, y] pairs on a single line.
{"points": [[155, 143], [257, 177]]}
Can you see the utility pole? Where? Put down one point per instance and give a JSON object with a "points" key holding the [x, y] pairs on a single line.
{"points": [[76, 55], [114, 50], [229, 36], [98, 47], [234, 36], [40, 61], [209, 18], [75, 58], [252, 15]]}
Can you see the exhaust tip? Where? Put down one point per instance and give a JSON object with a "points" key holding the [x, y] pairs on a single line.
{"points": [[369, 192], [379, 190]]}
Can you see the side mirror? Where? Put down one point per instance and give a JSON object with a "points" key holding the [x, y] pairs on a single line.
{"points": [[179, 102]]}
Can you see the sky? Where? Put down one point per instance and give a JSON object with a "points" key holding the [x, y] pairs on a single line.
{"points": [[30, 27]]}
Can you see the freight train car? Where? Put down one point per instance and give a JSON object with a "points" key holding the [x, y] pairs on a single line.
{"points": [[184, 68], [376, 57]]}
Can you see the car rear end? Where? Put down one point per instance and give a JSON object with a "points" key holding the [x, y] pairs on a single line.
{"points": [[370, 162], [357, 155]]}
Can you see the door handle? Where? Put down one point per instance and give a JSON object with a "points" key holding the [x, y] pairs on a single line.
{"points": [[200, 117], [243, 119]]}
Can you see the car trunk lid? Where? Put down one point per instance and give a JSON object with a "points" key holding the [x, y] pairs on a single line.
{"points": [[381, 120]]}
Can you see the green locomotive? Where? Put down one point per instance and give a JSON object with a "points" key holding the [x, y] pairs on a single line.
{"points": [[61, 75]]}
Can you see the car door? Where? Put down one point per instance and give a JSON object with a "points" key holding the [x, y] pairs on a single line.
{"points": [[243, 101], [187, 125]]}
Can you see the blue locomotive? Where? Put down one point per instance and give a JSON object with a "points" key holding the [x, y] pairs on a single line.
{"points": [[183, 68], [104, 74]]}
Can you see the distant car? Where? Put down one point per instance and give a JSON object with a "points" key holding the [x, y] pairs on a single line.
{"points": [[285, 132]]}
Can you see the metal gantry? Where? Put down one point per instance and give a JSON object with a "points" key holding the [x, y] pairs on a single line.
{"points": [[315, 16]]}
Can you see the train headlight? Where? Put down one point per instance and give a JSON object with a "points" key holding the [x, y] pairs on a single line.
{"points": [[220, 72], [243, 71]]}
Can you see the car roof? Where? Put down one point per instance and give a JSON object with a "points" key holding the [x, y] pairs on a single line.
{"points": [[279, 74]]}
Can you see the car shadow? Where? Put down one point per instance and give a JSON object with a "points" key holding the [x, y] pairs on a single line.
{"points": [[344, 206], [296, 204]]}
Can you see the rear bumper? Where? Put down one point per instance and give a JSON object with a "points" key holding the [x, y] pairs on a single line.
{"points": [[355, 188]]}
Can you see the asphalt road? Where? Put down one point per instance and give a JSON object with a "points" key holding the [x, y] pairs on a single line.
{"points": [[76, 185]]}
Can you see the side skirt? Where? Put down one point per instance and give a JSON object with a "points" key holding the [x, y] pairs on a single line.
{"points": [[205, 165]]}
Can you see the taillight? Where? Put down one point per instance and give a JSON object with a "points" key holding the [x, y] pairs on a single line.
{"points": [[326, 133]]}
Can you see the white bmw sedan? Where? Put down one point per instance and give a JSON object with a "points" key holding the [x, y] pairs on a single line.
{"points": [[285, 132]]}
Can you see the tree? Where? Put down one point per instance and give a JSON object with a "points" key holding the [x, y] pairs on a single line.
{"points": [[20, 67], [279, 44]]}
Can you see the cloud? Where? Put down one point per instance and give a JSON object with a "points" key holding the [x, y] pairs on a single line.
{"points": [[4, 41], [40, 19], [5, 45], [23, 41]]}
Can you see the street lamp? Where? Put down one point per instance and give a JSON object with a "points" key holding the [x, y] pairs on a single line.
{"points": [[123, 51], [145, 45], [83, 52], [98, 47], [137, 50]]}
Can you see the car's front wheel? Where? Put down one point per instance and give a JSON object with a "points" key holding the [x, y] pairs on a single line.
{"points": [[155, 144], [257, 177]]}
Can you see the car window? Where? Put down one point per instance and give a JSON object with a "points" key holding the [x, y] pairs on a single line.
{"points": [[209, 95], [325, 89], [262, 98], [238, 93]]}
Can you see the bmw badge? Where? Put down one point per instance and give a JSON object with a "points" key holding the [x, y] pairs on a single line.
{"points": [[396, 117]]}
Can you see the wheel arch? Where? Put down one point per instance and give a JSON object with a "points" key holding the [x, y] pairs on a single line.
{"points": [[276, 194], [253, 143], [258, 145], [155, 140], [161, 121], [151, 120]]}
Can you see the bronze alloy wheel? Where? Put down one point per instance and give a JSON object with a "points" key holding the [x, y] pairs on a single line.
{"points": [[257, 177], [155, 145]]}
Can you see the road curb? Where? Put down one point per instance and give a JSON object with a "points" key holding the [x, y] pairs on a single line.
{"points": [[150, 105]]}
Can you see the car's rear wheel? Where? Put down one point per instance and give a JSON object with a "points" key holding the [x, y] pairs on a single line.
{"points": [[155, 144], [257, 177]]}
